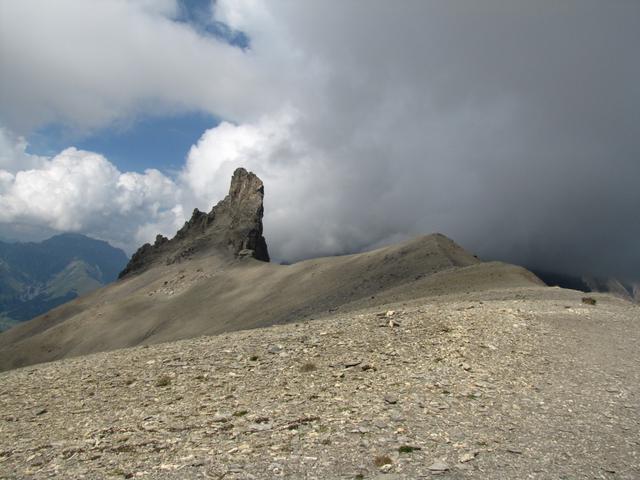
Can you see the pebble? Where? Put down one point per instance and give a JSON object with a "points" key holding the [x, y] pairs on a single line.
{"points": [[438, 466], [352, 363], [467, 457], [390, 399], [220, 418]]}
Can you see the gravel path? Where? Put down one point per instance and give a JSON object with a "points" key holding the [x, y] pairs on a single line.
{"points": [[527, 383]]}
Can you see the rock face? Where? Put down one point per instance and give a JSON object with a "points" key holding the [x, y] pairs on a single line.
{"points": [[233, 226]]}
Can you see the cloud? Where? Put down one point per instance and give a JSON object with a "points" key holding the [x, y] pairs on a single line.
{"points": [[82, 191], [13, 154], [511, 127], [88, 64]]}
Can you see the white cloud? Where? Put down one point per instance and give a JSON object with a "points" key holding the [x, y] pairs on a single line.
{"points": [[82, 191], [89, 63], [13, 153], [222, 149]]}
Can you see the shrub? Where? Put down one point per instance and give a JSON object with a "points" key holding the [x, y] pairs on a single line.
{"points": [[589, 300]]}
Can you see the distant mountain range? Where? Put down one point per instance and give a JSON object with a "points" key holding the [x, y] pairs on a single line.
{"points": [[36, 277]]}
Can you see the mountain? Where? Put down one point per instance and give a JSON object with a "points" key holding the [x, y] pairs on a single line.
{"points": [[213, 277], [233, 226], [36, 277], [589, 283]]}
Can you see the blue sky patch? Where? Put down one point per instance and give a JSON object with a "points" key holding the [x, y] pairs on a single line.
{"points": [[160, 142], [150, 142], [198, 14]]}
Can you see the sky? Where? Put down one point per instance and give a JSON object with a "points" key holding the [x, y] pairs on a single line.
{"points": [[512, 127]]}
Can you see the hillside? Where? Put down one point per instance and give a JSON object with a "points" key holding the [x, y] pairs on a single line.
{"points": [[506, 384], [214, 294], [214, 276], [35, 277]]}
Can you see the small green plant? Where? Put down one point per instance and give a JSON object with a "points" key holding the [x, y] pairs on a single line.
{"points": [[308, 367], [118, 472], [240, 413], [381, 460], [589, 300], [253, 358], [163, 381], [407, 449]]}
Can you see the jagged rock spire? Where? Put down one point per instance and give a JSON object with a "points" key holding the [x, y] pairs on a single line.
{"points": [[234, 227]]}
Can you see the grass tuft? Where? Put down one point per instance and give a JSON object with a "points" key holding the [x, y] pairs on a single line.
{"points": [[381, 460], [308, 367], [407, 449]]}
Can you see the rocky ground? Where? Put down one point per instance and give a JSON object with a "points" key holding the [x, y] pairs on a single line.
{"points": [[517, 384]]}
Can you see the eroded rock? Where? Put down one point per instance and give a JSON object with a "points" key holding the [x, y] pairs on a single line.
{"points": [[232, 227]]}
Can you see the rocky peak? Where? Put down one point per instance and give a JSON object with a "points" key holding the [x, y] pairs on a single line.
{"points": [[232, 227]]}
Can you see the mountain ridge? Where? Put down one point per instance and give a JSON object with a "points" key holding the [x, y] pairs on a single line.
{"points": [[216, 293], [214, 277]]}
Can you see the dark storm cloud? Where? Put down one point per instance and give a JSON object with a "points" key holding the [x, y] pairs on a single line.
{"points": [[511, 126]]}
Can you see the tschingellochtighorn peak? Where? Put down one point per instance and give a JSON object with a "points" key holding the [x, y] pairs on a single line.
{"points": [[232, 227]]}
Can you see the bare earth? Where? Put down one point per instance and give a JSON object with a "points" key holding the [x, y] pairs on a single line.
{"points": [[506, 383]]}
